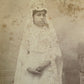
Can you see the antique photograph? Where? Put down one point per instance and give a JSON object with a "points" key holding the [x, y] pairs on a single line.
{"points": [[41, 42]]}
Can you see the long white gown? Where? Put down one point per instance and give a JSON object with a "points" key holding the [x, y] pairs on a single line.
{"points": [[39, 46]]}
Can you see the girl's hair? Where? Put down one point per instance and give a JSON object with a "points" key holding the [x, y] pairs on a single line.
{"points": [[35, 11]]}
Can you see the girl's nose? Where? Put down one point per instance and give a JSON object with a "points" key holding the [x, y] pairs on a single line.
{"points": [[41, 16]]}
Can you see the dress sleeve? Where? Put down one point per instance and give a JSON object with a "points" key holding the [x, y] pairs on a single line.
{"points": [[56, 50], [55, 44]]}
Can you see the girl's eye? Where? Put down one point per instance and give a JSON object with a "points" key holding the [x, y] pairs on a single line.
{"points": [[44, 15]]}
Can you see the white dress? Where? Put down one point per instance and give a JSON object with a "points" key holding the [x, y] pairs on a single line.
{"points": [[38, 47]]}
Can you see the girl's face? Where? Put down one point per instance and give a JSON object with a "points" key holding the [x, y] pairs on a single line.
{"points": [[40, 18]]}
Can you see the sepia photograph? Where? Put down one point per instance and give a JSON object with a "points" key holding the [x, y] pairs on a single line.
{"points": [[41, 42]]}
